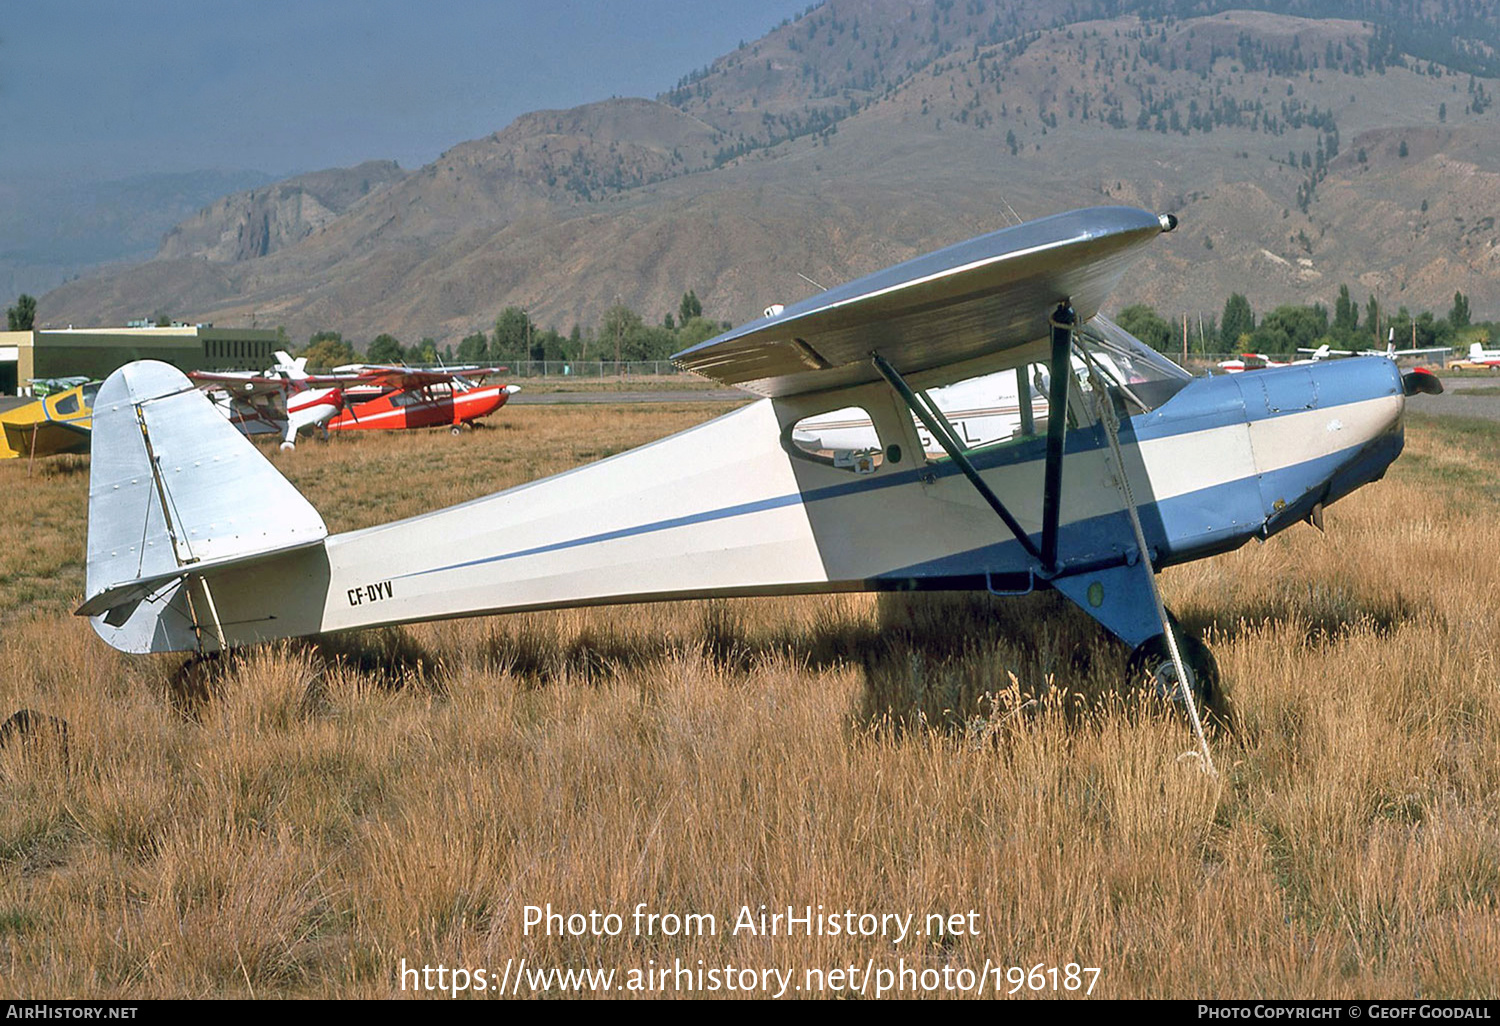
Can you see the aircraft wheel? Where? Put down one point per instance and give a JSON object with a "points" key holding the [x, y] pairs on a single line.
{"points": [[457, 429], [1151, 662], [288, 446]]}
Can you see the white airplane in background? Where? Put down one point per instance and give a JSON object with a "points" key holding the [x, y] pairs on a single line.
{"points": [[1390, 352], [281, 400], [1260, 361], [982, 411], [197, 543], [1483, 357]]}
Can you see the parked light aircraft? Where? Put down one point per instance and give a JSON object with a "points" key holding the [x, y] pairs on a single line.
{"points": [[981, 411], [285, 399], [408, 398], [1482, 357], [196, 543], [282, 400], [1260, 361], [58, 423], [1248, 361], [1390, 352]]}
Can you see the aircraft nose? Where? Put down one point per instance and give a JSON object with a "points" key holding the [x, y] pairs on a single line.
{"points": [[1356, 380], [1323, 385], [1318, 431]]}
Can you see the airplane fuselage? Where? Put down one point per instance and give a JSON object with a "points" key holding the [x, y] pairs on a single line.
{"points": [[413, 408], [733, 507]]}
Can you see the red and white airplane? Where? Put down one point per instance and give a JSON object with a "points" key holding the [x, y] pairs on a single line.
{"points": [[1248, 361], [383, 398], [281, 400], [285, 399], [1259, 361]]}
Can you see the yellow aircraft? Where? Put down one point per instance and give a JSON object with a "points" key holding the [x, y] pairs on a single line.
{"points": [[59, 423]]}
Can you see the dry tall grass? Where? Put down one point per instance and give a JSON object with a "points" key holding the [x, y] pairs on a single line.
{"points": [[300, 819]]}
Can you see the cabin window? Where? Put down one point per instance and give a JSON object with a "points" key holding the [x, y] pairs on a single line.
{"points": [[67, 405], [845, 439], [990, 410], [1140, 378]]}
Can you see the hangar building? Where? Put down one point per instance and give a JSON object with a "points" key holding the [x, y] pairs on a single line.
{"points": [[95, 352]]}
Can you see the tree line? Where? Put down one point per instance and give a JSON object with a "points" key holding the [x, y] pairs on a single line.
{"points": [[1291, 327], [621, 334]]}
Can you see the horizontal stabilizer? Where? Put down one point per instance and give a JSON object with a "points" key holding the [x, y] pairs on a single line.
{"points": [[175, 489]]}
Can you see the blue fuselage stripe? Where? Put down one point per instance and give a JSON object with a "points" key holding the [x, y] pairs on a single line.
{"points": [[1203, 405]]}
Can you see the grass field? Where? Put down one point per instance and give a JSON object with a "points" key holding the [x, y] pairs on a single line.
{"points": [[301, 819]]}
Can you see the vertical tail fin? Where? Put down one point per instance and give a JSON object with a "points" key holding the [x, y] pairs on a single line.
{"points": [[176, 491], [287, 367]]}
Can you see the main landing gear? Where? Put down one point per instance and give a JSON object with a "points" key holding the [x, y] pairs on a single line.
{"points": [[1151, 665]]}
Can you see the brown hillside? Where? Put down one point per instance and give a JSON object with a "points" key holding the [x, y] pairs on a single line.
{"points": [[1247, 125]]}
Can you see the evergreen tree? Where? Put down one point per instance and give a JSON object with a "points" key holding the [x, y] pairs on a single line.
{"points": [[1458, 316], [385, 349], [22, 316], [1238, 321], [689, 307], [513, 335], [474, 348], [1345, 315], [1288, 328]]}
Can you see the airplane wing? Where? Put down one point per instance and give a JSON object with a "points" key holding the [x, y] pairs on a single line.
{"points": [[243, 384], [45, 437], [239, 385], [407, 377], [991, 293]]}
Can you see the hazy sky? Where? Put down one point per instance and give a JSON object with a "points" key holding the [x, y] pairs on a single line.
{"points": [[109, 88]]}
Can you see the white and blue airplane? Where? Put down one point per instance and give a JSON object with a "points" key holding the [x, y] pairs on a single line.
{"points": [[1119, 463]]}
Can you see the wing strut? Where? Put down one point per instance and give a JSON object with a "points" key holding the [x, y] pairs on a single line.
{"points": [[1107, 416], [943, 432], [1063, 320]]}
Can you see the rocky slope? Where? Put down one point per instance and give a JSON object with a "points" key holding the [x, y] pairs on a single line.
{"points": [[1299, 153]]}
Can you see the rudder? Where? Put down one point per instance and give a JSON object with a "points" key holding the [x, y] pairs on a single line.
{"points": [[175, 491]]}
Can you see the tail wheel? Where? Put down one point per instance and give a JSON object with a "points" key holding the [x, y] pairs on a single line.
{"points": [[1151, 664]]}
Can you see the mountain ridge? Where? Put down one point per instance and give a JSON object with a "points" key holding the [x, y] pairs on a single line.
{"points": [[1249, 125]]}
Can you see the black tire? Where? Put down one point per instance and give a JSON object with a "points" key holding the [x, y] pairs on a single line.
{"points": [[1151, 666], [457, 430]]}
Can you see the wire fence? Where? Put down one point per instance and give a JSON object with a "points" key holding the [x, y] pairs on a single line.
{"points": [[592, 368], [612, 369]]}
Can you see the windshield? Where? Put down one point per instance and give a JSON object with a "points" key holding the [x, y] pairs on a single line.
{"points": [[1143, 377]]}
